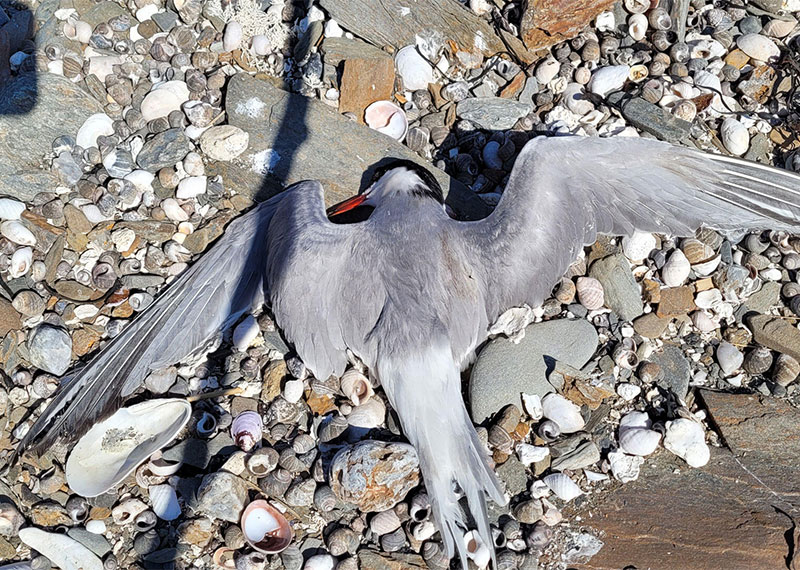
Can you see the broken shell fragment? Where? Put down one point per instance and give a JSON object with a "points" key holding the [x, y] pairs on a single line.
{"points": [[685, 438], [116, 446], [265, 528], [477, 551], [246, 430], [563, 412], [387, 118]]}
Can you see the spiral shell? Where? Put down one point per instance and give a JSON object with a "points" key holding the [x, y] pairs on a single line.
{"points": [[590, 293], [262, 461], [565, 293], [548, 430], [528, 512], [77, 508], [276, 483], [342, 541], [786, 370], [246, 430], [563, 412], [758, 360], [324, 498], [384, 522], [637, 26], [659, 19], [435, 556], [564, 488], [685, 438], [625, 357], [684, 109], [265, 528], [164, 501], [393, 541], [331, 429], [676, 269], [145, 520], [420, 507]]}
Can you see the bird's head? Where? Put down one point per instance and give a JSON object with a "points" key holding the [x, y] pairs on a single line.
{"points": [[397, 178]]}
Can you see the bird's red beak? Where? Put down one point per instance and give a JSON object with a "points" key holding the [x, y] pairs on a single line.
{"points": [[347, 205]]}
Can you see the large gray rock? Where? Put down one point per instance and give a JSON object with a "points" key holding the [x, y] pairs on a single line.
{"points": [[622, 293], [35, 109], [504, 370], [164, 149], [295, 138]]}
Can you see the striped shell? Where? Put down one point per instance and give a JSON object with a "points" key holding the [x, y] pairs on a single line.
{"points": [[758, 360], [786, 370], [324, 498], [356, 387], [564, 488], [590, 293], [696, 251], [565, 293], [164, 502], [246, 430], [384, 522]]}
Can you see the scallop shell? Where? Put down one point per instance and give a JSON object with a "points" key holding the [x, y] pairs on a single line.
{"points": [[368, 415], [101, 459], [729, 357], [356, 387], [759, 47], [734, 136], [265, 528], [477, 550], [63, 551], [20, 262], [676, 269], [387, 118], [564, 488], [246, 430], [16, 232], [563, 412], [786, 370], [638, 246], [590, 293], [164, 502], [685, 438], [637, 26], [384, 522]]}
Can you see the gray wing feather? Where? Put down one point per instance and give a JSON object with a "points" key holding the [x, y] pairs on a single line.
{"points": [[564, 191], [211, 295]]}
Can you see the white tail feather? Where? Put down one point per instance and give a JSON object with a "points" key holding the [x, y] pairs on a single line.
{"points": [[425, 390]]}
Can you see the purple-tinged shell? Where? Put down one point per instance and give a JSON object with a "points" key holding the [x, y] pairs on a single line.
{"points": [[246, 430]]}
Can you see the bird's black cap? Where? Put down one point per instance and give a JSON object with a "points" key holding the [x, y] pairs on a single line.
{"points": [[430, 187]]}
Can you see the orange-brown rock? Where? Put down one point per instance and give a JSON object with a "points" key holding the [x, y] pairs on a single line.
{"points": [[548, 22]]}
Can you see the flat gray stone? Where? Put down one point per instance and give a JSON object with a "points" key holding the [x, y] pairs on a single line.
{"points": [[95, 542], [36, 108], [164, 149], [336, 50], [675, 368], [492, 113], [50, 349], [504, 370], [295, 138], [622, 293], [222, 495], [651, 118], [765, 298]]}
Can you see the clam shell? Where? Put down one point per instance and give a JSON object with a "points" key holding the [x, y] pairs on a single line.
{"points": [[246, 430], [608, 79], [696, 251], [729, 357], [63, 551], [164, 502], [786, 370], [163, 99], [369, 415], [101, 458], [413, 69], [17, 233], [384, 522], [96, 125], [320, 562], [676, 269], [477, 550], [387, 118], [706, 268], [638, 246], [20, 262], [758, 47], [356, 387], [224, 558], [265, 528], [734, 136], [11, 209], [564, 488], [685, 438], [590, 293], [563, 412], [703, 322]]}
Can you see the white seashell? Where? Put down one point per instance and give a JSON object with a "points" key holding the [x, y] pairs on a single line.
{"points": [[686, 439], [477, 551], [141, 179], [164, 502], [97, 463], [735, 136], [637, 26], [320, 562], [563, 412], [11, 209], [293, 391], [685, 109], [547, 70], [533, 406], [676, 269], [385, 522], [729, 357], [127, 511], [423, 530], [20, 262], [63, 551], [624, 467], [758, 47], [265, 528], [529, 454], [163, 99], [708, 299], [78, 30], [590, 293], [17, 233], [706, 268], [96, 526], [368, 415], [413, 69], [387, 118], [605, 22], [703, 322], [635, 420], [564, 488], [174, 211], [162, 467], [261, 45], [628, 391], [96, 125], [638, 246], [608, 79], [356, 387], [245, 333], [779, 28], [232, 38], [638, 441]]}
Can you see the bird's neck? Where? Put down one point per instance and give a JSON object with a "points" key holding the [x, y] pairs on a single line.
{"points": [[405, 209]]}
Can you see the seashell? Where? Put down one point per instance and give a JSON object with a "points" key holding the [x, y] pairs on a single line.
{"points": [[224, 558], [758, 47], [565, 293], [685, 438], [607, 79], [173, 210], [331, 429], [477, 550], [758, 360], [706, 268], [248, 330], [708, 299], [387, 118], [17, 233], [206, 425], [324, 499], [191, 187], [422, 530], [563, 487], [78, 30], [696, 251], [420, 507], [101, 458], [232, 37], [685, 109], [293, 390], [435, 556], [246, 430], [276, 483], [563, 412], [342, 541], [63, 551], [262, 461], [320, 562], [163, 99], [11, 209], [164, 502], [547, 70], [265, 528], [368, 415], [20, 262], [292, 558], [637, 26], [384, 522], [729, 358], [356, 387], [635, 435], [638, 246], [549, 430], [734, 136], [676, 269], [637, 6], [127, 511], [625, 357], [146, 520], [413, 69], [659, 19], [590, 293], [703, 322], [96, 125], [787, 368], [778, 28], [528, 512], [791, 261]]}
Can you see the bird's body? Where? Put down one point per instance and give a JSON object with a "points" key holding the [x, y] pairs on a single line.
{"points": [[412, 292]]}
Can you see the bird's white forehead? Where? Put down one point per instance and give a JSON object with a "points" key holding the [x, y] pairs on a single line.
{"points": [[400, 178]]}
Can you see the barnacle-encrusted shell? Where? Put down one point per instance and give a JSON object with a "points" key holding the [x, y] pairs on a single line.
{"points": [[676, 269], [786, 370], [563, 412], [246, 430], [564, 488], [590, 293], [356, 387], [265, 528]]}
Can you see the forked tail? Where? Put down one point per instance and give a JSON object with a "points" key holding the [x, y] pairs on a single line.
{"points": [[424, 389]]}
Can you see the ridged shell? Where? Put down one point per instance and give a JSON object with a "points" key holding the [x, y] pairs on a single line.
{"points": [[786, 370], [331, 429], [393, 541], [637, 26], [387, 118], [276, 483], [565, 293], [676, 269], [563, 412], [590, 293], [246, 430], [706, 268], [265, 528], [758, 360], [435, 556], [548, 430], [696, 251], [477, 550], [638, 441], [324, 498], [164, 502], [420, 507], [734, 136], [500, 439], [356, 387], [369, 415], [20, 262], [729, 358], [342, 541], [384, 522], [564, 488], [791, 261]]}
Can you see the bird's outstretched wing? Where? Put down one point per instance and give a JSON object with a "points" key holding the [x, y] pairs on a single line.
{"points": [[211, 295], [563, 191]]}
